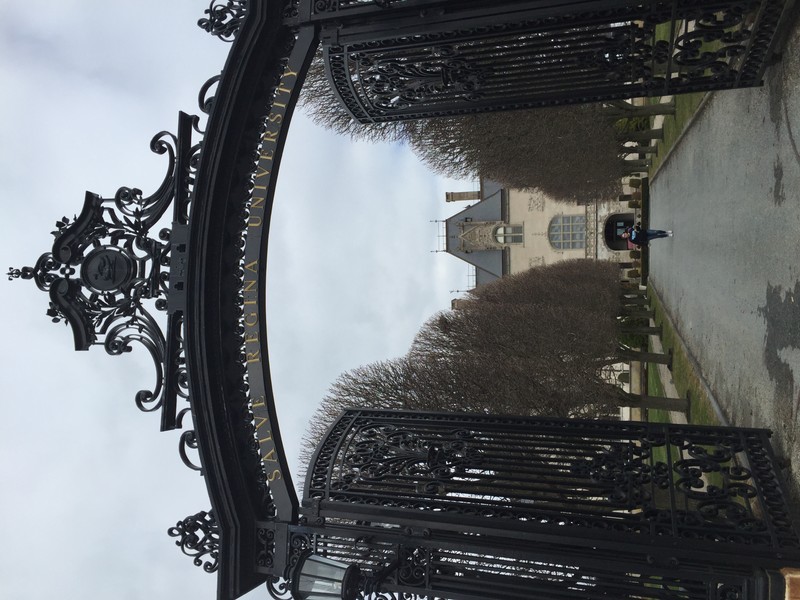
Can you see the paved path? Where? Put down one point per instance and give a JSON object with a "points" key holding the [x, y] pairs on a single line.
{"points": [[730, 277]]}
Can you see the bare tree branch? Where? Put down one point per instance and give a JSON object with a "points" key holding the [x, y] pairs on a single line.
{"points": [[543, 342]]}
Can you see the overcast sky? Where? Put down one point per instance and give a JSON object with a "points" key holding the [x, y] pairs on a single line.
{"points": [[88, 485]]}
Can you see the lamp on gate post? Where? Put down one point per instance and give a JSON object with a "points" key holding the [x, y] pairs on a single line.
{"points": [[320, 578]]}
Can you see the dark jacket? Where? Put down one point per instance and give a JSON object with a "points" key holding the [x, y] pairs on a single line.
{"points": [[638, 235]]}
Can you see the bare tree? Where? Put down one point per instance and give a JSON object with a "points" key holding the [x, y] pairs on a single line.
{"points": [[587, 284], [569, 152], [536, 343]]}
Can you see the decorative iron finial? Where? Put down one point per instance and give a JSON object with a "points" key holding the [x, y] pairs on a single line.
{"points": [[224, 18], [199, 539], [105, 267], [44, 272]]}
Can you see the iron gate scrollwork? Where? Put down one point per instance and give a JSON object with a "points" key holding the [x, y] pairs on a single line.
{"points": [[715, 486], [198, 537], [535, 55], [467, 506], [224, 18], [424, 564]]}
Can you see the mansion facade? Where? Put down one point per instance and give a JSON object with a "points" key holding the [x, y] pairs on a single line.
{"points": [[506, 231]]}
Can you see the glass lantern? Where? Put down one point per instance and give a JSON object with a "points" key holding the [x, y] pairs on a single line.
{"points": [[320, 578]]}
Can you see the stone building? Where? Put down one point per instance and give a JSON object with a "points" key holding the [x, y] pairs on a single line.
{"points": [[506, 231]]}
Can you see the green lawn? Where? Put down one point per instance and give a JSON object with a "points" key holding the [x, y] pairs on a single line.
{"points": [[654, 388], [656, 415], [685, 107], [685, 379], [683, 374]]}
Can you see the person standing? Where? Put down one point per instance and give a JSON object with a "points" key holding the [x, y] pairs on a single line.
{"points": [[641, 237]]}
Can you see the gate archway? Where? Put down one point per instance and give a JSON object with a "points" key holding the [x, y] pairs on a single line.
{"points": [[210, 275]]}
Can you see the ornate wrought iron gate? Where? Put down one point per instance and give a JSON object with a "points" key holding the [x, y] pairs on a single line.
{"points": [[454, 506], [553, 508], [406, 59]]}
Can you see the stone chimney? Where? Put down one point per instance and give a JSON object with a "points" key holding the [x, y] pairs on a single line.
{"points": [[462, 196]]}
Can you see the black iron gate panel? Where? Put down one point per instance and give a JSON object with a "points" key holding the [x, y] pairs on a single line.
{"points": [[429, 564], [372, 15], [700, 488], [566, 52]]}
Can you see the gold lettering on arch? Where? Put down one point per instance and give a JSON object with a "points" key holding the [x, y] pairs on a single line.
{"points": [[256, 224]]}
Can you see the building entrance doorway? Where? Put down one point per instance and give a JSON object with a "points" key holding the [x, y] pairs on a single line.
{"points": [[615, 227]]}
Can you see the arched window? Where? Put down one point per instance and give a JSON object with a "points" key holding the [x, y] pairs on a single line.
{"points": [[508, 234], [567, 232]]}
